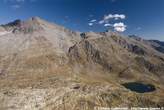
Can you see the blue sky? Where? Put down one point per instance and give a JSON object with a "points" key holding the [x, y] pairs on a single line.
{"points": [[140, 17]]}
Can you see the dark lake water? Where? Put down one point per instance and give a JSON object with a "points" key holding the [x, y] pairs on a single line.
{"points": [[139, 87]]}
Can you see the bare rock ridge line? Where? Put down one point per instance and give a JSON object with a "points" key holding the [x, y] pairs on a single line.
{"points": [[46, 66]]}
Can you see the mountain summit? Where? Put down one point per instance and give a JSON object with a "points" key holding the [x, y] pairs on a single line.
{"points": [[46, 66]]}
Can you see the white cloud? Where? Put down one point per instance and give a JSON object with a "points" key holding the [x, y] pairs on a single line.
{"points": [[108, 25], [94, 20], [101, 22], [120, 27], [90, 24], [109, 17], [115, 16]]}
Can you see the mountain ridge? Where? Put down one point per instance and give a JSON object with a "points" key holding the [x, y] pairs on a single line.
{"points": [[51, 67]]}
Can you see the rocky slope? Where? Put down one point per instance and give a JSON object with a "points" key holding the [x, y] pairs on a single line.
{"points": [[45, 66]]}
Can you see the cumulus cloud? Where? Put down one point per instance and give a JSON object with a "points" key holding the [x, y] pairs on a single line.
{"points": [[90, 24], [119, 27], [94, 20], [109, 17], [101, 22], [108, 25], [115, 16]]}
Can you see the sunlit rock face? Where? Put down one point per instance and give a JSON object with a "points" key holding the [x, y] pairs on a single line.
{"points": [[46, 66]]}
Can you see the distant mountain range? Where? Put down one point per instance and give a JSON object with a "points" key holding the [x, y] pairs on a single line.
{"points": [[46, 66], [156, 44]]}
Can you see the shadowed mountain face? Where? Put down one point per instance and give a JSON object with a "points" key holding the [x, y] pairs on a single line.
{"points": [[45, 66], [158, 45]]}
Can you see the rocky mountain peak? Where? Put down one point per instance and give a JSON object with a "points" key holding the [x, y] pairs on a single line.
{"points": [[27, 26]]}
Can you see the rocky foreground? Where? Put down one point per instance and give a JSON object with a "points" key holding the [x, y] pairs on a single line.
{"points": [[44, 66]]}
